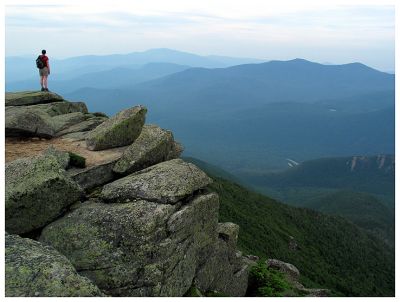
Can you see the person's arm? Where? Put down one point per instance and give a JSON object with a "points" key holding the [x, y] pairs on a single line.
{"points": [[48, 65]]}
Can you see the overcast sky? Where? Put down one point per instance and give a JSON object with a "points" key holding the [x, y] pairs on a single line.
{"points": [[331, 32]]}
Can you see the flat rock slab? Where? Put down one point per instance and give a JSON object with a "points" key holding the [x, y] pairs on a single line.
{"points": [[36, 270], [83, 126], [30, 147], [120, 130], [42, 120], [166, 182], [25, 98], [94, 176]]}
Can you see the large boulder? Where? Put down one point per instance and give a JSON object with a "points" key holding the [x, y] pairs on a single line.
{"points": [[27, 123], [287, 268], [151, 147], [35, 270], [120, 130], [166, 182], [24, 98], [193, 235], [114, 245], [138, 248], [37, 192]]}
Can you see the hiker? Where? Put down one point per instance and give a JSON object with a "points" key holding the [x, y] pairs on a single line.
{"points": [[42, 62]]}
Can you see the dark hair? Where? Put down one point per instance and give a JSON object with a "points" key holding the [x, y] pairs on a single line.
{"points": [[43, 52]]}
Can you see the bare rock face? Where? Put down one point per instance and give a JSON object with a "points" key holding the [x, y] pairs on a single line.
{"points": [[28, 123], [120, 130], [225, 270], [37, 192], [35, 270], [166, 182], [138, 248], [154, 145], [42, 120], [25, 98]]}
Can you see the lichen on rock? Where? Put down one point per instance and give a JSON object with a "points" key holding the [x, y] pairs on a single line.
{"points": [[37, 192], [149, 227], [166, 182], [25, 98], [151, 147], [36, 270]]}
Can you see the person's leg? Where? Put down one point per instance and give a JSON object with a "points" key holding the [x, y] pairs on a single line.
{"points": [[42, 82], [45, 82]]}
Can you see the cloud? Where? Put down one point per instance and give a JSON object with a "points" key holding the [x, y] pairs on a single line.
{"points": [[238, 29]]}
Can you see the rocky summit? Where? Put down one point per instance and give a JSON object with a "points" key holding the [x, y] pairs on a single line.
{"points": [[99, 206]]}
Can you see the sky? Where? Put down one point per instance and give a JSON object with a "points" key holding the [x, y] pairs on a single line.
{"points": [[335, 32]]}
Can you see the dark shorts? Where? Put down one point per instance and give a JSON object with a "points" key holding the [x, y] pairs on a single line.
{"points": [[44, 72]]}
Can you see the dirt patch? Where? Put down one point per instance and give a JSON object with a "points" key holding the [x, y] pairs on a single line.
{"points": [[29, 147]]}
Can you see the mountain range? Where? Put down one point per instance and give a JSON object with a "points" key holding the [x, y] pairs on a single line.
{"points": [[22, 68], [303, 133], [260, 113]]}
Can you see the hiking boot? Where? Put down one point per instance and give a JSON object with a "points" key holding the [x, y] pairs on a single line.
{"points": [[43, 89], [46, 89]]}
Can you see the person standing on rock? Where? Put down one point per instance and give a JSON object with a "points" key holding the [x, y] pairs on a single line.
{"points": [[42, 62]]}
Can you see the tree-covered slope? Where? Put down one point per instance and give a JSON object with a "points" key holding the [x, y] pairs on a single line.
{"points": [[363, 209], [329, 251]]}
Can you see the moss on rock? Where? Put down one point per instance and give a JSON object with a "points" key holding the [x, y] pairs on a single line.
{"points": [[24, 98], [151, 147], [120, 130]]}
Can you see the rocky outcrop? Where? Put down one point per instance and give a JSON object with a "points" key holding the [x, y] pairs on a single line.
{"points": [[37, 192], [231, 277], [92, 177], [42, 120], [166, 182], [154, 145], [120, 130], [86, 125], [25, 98], [27, 123], [139, 248], [292, 275], [147, 226], [35, 270]]}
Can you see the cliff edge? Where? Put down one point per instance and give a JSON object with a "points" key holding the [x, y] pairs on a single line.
{"points": [[132, 220]]}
